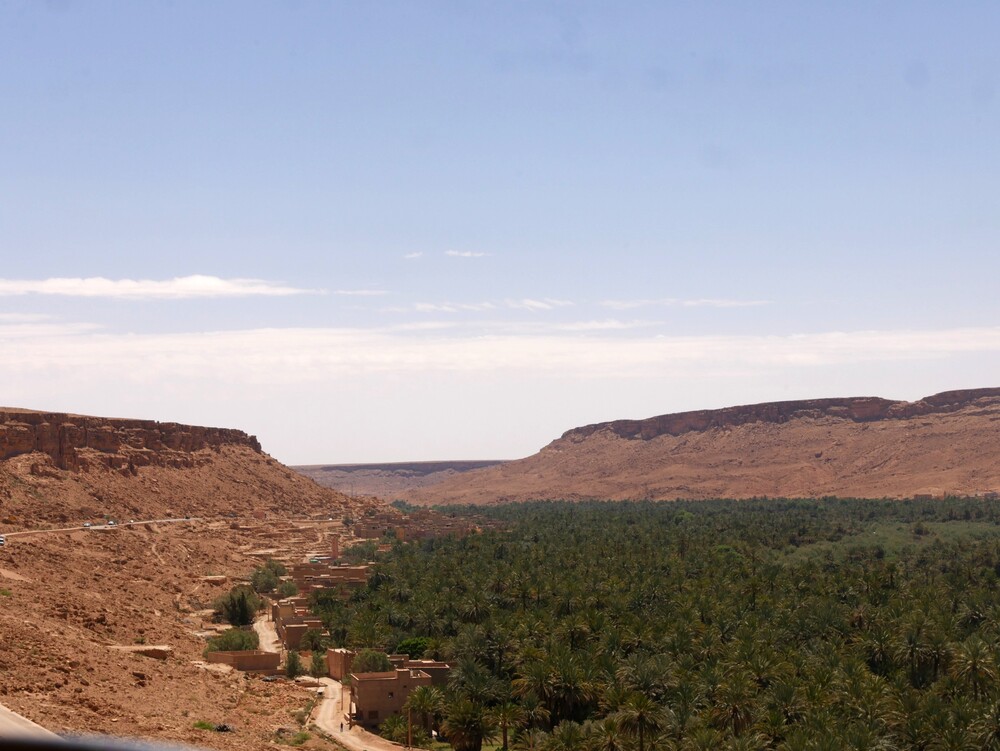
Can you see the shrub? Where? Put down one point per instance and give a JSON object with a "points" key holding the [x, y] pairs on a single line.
{"points": [[287, 589], [318, 668], [293, 665], [233, 640], [263, 580], [371, 661], [415, 646], [238, 606], [204, 725]]}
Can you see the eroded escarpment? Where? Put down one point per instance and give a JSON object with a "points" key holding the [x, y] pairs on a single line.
{"points": [[77, 442], [854, 409], [863, 447]]}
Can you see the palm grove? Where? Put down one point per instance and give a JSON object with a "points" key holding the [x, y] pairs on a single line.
{"points": [[761, 624]]}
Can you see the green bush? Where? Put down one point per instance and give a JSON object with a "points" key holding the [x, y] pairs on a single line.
{"points": [[238, 606], [318, 668], [263, 580], [293, 665], [233, 640], [371, 661], [415, 646], [287, 589]]}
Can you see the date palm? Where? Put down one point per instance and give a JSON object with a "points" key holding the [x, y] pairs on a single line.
{"points": [[642, 717], [508, 715]]}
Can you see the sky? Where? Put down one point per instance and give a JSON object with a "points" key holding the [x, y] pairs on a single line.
{"points": [[394, 231]]}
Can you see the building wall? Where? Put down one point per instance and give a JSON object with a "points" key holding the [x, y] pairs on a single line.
{"points": [[248, 660], [378, 696], [338, 662]]}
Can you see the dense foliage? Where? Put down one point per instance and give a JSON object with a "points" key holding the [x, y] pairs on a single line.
{"points": [[238, 606], [759, 624]]}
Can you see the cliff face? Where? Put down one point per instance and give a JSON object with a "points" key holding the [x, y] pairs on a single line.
{"points": [[857, 409], [861, 447], [79, 443]]}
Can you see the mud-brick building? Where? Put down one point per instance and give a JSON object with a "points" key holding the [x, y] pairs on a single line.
{"points": [[377, 696]]}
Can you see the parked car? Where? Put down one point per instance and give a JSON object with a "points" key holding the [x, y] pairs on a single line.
{"points": [[112, 523], [3, 541], [87, 524]]}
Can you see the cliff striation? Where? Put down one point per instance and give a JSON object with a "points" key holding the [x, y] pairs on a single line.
{"points": [[80, 443]]}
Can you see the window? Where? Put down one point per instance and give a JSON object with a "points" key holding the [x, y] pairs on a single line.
{"points": [[390, 694]]}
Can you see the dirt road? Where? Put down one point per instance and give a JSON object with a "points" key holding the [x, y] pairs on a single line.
{"points": [[330, 719], [267, 635]]}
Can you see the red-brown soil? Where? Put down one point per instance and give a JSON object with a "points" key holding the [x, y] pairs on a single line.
{"points": [[67, 597], [855, 447]]}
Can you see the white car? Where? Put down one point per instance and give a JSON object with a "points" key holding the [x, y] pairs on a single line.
{"points": [[3, 541]]}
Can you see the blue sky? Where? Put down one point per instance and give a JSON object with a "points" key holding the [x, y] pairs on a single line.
{"points": [[395, 230]]}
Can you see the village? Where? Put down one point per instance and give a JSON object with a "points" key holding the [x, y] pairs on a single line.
{"points": [[351, 703]]}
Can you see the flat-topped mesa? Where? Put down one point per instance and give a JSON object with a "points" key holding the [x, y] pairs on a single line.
{"points": [[855, 409], [77, 442]]}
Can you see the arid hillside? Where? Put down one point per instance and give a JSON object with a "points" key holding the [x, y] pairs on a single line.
{"points": [[388, 481], [853, 447], [74, 602], [62, 469]]}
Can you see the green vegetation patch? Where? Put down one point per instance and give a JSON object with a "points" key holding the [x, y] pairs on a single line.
{"points": [[778, 624]]}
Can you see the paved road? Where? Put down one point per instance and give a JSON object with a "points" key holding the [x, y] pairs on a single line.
{"points": [[12, 725]]}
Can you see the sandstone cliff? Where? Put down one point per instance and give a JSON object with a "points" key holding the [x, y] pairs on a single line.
{"points": [[66, 469], [78, 442], [860, 447]]}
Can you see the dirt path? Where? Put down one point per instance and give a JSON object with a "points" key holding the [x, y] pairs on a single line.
{"points": [[330, 719], [269, 641]]}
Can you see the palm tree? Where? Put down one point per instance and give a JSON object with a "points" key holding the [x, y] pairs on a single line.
{"points": [[535, 713], [605, 735], [973, 665], [427, 701], [467, 724], [508, 715], [567, 736], [642, 716]]}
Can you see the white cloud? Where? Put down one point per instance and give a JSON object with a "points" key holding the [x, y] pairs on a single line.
{"points": [[706, 302], [195, 286], [286, 356], [452, 307], [466, 254], [361, 292], [536, 305], [412, 256], [23, 317]]}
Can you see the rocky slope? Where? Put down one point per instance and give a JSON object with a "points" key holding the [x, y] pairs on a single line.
{"points": [[857, 447], [61, 469], [72, 599]]}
